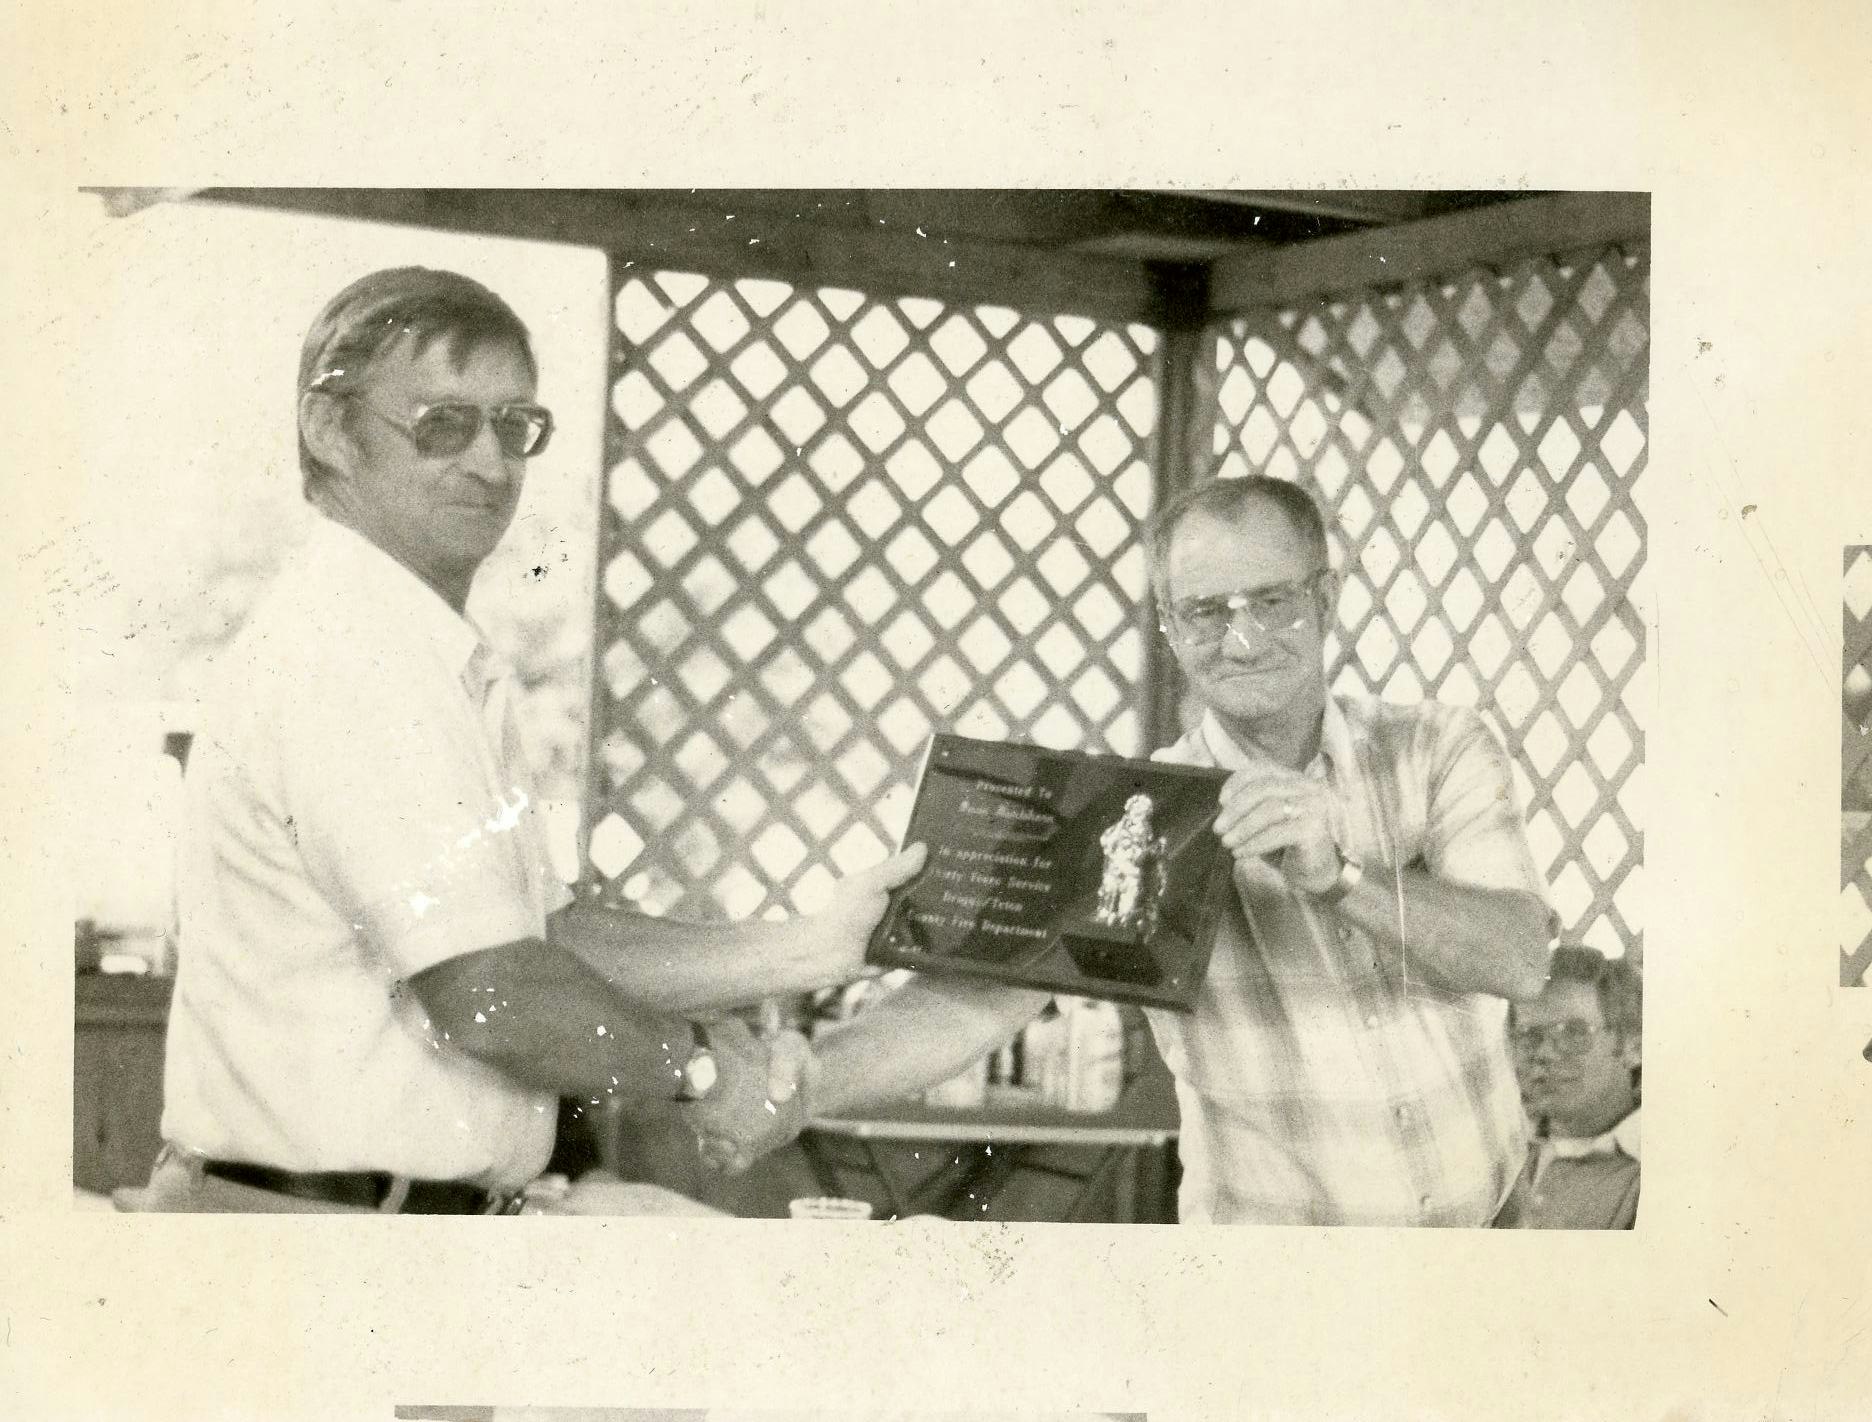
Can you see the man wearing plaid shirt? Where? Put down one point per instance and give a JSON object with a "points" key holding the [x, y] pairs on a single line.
{"points": [[1346, 1062]]}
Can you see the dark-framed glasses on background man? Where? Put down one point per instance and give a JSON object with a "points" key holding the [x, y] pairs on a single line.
{"points": [[1280, 607], [1570, 1038]]}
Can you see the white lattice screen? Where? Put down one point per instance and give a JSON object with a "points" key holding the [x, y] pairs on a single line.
{"points": [[833, 523], [1476, 440], [1856, 770]]}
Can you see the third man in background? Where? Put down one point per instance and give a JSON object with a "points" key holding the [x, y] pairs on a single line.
{"points": [[1577, 1048]]}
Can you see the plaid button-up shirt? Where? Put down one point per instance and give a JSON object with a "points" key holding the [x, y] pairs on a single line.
{"points": [[1320, 1080]]}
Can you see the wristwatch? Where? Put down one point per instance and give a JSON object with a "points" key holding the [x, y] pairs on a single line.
{"points": [[699, 1071], [1350, 873]]}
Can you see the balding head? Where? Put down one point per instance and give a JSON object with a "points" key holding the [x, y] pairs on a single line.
{"points": [[1226, 499]]}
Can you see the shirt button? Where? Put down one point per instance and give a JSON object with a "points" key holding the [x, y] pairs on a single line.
{"points": [[1402, 1113], [1371, 1020], [1423, 1201]]}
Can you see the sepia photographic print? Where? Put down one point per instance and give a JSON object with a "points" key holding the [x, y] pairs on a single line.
{"points": [[519, 716]]}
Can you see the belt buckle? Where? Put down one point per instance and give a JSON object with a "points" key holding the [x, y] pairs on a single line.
{"points": [[397, 1192], [395, 1196]]}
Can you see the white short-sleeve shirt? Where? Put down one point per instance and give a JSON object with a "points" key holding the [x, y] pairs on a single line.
{"points": [[355, 815]]}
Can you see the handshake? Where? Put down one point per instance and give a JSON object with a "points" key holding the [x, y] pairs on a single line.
{"points": [[759, 1100]]}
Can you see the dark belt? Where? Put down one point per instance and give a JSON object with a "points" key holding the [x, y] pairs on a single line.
{"points": [[361, 1189]]}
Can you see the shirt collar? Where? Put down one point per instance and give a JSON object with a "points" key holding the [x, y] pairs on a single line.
{"points": [[1336, 736], [1336, 747], [389, 594], [1622, 1137]]}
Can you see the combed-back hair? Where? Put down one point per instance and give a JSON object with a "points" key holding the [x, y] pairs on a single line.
{"points": [[361, 322], [1221, 498]]}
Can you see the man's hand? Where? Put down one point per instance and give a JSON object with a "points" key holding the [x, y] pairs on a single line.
{"points": [[1268, 809], [829, 946], [759, 1100]]}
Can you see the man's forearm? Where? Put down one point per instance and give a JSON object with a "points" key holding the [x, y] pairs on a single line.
{"points": [[923, 1033], [1454, 936], [546, 1020], [565, 1046], [687, 968]]}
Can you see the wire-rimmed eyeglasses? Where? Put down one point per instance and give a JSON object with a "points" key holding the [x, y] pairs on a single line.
{"points": [[1280, 607], [1571, 1038]]}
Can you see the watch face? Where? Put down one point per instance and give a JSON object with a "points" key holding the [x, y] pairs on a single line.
{"points": [[699, 1073]]}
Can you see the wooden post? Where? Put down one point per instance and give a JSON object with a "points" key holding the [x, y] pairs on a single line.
{"points": [[1183, 455]]}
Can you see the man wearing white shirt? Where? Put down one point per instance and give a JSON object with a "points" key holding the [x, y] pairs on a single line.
{"points": [[1577, 1049], [382, 989]]}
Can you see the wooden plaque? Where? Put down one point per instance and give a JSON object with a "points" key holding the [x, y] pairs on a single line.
{"points": [[1091, 875]]}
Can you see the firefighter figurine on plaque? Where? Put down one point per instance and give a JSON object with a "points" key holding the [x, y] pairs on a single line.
{"points": [[1135, 876]]}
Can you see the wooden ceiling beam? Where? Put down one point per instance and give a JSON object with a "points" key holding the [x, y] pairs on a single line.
{"points": [[1435, 246], [1372, 207], [764, 240]]}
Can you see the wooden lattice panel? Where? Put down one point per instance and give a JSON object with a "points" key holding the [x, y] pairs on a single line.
{"points": [[1856, 769], [1476, 441], [834, 523]]}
